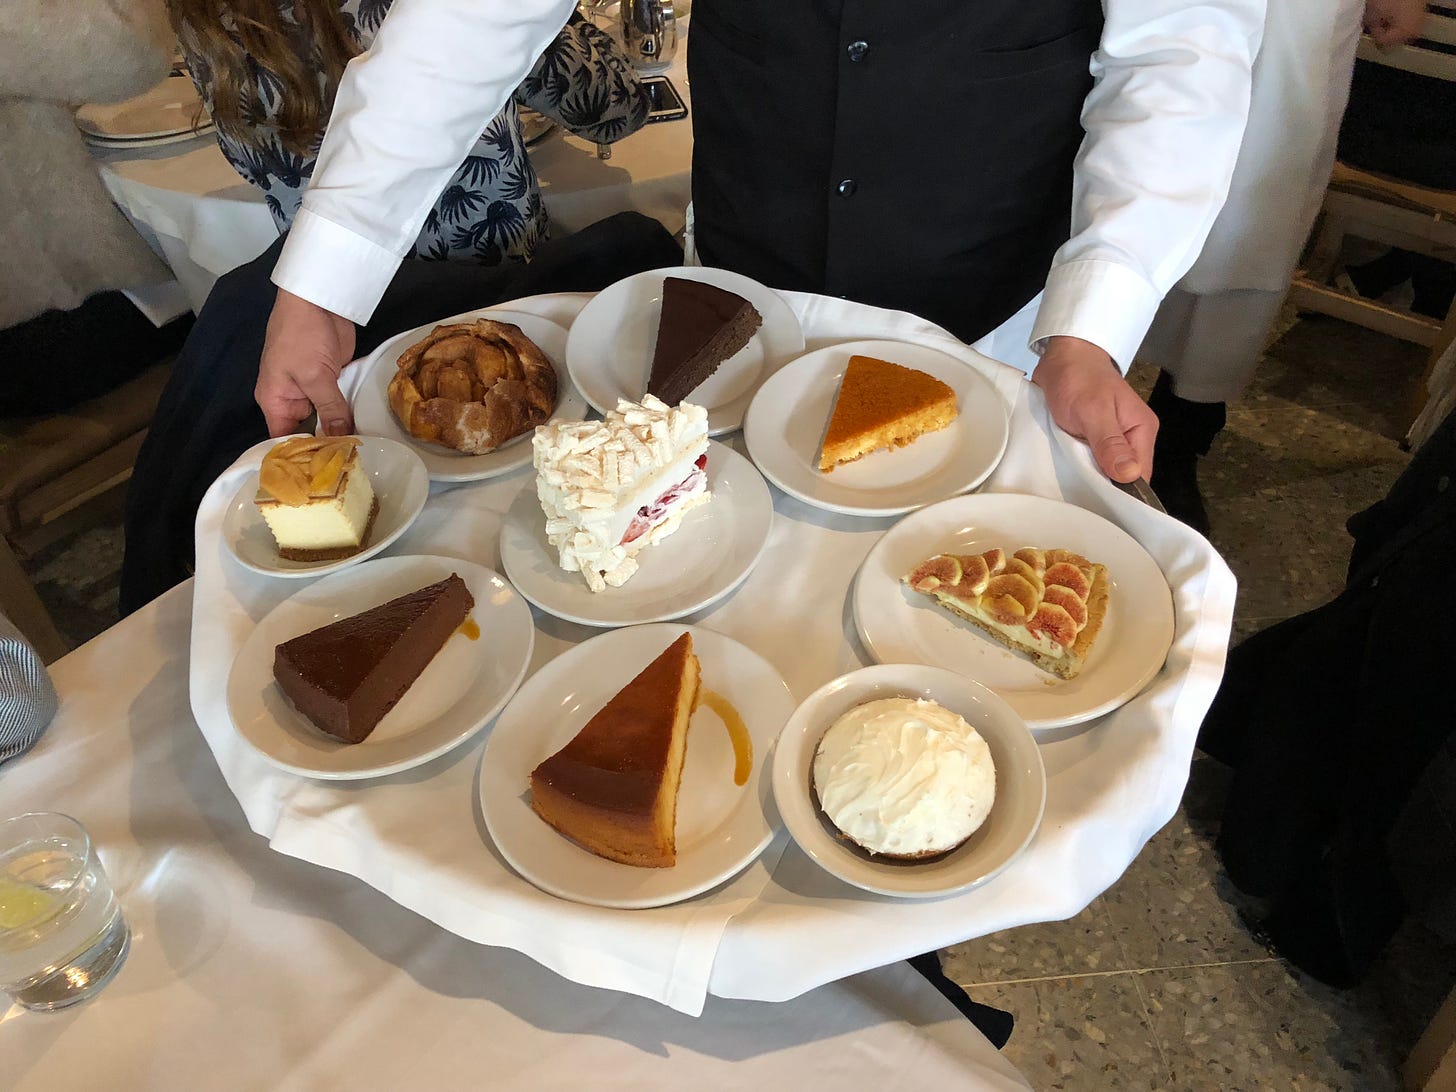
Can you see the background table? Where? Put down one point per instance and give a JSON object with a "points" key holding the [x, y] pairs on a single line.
{"points": [[187, 200], [252, 970], [783, 926]]}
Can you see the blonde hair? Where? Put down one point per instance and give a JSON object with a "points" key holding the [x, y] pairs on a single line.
{"points": [[230, 37]]}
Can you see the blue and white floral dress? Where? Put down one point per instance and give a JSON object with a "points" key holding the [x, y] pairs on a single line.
{"points": [[491, 209]]}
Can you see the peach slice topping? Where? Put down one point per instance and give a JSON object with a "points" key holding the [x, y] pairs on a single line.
{"points": [[1068, 600], [1067, 575], [1010, 598], [940, 570], [1055, 623]]}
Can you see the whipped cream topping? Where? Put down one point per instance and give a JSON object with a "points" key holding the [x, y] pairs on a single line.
{"points": [[904, 777], [593, 478]]}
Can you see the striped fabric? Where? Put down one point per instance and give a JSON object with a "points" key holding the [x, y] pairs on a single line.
{"points": [[27, 698]]}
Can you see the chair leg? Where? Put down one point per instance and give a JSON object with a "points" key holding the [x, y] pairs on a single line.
{"points": [[1422, 394], [22, 606]]}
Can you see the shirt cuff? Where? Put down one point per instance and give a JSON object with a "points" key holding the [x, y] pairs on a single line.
{"points": [[333, 267], [1099, 301]]}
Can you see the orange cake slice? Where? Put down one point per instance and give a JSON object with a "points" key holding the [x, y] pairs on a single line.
{"points": [[883, 405], [613, 789], [1048, 604]]}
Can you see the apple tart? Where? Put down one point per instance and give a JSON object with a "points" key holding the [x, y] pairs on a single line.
{"points": [[1047, 604], [472, 386]]}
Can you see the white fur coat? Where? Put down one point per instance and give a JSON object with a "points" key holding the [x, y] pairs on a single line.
{"points": [[61, 238]]}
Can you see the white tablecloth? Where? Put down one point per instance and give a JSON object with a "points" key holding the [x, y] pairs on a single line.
{"points": [[783, 927], [250, 970], [187, 200]]}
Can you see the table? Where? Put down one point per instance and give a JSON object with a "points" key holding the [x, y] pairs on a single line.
{"points": [[190, 204], [782, 927], [252, 970]]}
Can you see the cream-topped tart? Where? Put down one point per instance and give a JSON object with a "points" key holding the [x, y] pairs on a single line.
{"points": [[315, 495], [611, 487], [904, 777]]}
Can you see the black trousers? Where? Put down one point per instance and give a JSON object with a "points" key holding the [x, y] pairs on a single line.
{"points": [[60, 359], [207, 416], [1330, 720]]}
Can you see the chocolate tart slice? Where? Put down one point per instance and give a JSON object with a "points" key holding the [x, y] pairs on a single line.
{"points": [[344, 677], [701, 326], [613, 789]]}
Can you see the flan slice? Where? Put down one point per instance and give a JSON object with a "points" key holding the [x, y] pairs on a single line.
{"points": [[613, 789], [344, 677], [883, 405], [315, 495], [1047, 604], [701, 326]]}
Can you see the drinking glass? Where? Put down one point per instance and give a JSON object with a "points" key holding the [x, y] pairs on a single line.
{"points": [[62, 933]]}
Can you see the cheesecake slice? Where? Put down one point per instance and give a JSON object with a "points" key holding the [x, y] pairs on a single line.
{"points": [[701, 326], [315, 495], [1046, 604], [883, 405], [613, 789], [344, 677]]}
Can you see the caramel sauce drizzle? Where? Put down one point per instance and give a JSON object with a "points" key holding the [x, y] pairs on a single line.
{"points": [[470, 627], [737, 732]]}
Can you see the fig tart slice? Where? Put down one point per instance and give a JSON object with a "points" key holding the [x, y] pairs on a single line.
{"points": [[1047, 604]]}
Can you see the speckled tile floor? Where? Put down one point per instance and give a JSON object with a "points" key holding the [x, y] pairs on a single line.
{"points": [[1158, 984]]}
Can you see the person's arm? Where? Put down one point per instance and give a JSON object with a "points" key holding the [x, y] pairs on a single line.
{"points": [[1394, 22], [584, 81], [27, 698], [1164, 122]]}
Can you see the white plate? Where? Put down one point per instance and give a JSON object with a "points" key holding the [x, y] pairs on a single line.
{"points": [[706, 558], [902, 626], [399, 482], [612, 340], [169, 109], [1014, 818], [786, 423], [721, 827], [463, 687], [372, 413]]}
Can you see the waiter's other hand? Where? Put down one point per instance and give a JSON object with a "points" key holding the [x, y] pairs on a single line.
{"points": [[1089, 398], [1394, 22], [305, 350]]}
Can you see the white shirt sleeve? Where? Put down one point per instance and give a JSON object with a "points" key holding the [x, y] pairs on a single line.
{"points": [[405, 116], [1164, 122]]}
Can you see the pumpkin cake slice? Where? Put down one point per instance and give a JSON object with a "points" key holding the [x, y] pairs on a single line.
{"points": [[613, 789], [883, 405]]}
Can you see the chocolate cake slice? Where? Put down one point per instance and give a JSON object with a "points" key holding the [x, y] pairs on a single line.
{"points": [[345, 676], [701, 326]]}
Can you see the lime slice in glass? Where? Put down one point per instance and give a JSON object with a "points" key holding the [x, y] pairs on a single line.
{"points": [[22, 905]]}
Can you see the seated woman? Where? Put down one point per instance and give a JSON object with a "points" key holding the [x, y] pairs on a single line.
{"points": [[268, 73], [270, 79]]}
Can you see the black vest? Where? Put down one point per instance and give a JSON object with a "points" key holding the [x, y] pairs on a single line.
{"points": [[910, 155]]}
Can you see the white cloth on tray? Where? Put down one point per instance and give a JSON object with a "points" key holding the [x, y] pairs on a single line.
{"points": [[782, 927]]}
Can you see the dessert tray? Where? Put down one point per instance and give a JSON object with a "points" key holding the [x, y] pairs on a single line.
{"points": [[786, 420], [1020, 783], [400, 484], [713, 551], [464, 686], [372, 414], [609, 351], [721, 827], [901, 626]]}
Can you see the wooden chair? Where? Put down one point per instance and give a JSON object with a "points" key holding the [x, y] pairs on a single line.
{"points": [[1390, 211], [50, 469]]}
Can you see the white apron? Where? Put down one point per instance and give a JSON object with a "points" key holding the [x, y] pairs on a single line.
{"points": [[1301, 84]]}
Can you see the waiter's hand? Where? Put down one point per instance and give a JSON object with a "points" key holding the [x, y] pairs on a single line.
{"points": [[1088, 397], [305, 350], [1394, 22]]}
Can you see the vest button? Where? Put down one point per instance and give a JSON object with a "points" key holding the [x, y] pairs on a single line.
{"points": [[1444, 483], [846, 188], [857, 50]]}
